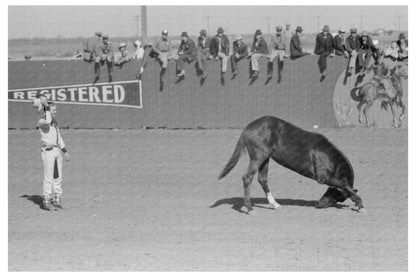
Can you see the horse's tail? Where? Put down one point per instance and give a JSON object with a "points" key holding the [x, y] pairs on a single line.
{"points": [[356, 96], [239, 148]]}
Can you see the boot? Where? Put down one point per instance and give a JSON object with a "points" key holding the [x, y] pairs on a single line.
{"points": [[56, 201], [162, 75], [222, 78], [46, 203], [110, 71], [96, 72], [270, 70]]}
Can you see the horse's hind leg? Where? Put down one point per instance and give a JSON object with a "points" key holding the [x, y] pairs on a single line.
{"points": [[262, 177], [394, 115], [359, 111], [365, 112], [247, 179]]}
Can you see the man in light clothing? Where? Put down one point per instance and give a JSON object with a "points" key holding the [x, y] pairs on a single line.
{"points": [[278, 51], [287, 33], [52, 148]]}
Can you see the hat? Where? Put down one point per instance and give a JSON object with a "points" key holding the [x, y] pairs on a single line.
{"points": [[203, 32], [149, 42], [105, 36], [123, 44], [98, 34], [239, 37], [341, 30], [364, 34], [220, 30], [299, 29], [184, 34], [279, 28], [402, 36], [288, 24], [353, 30], [258, 32], [326, 28], [165, 32], [138, 43]]}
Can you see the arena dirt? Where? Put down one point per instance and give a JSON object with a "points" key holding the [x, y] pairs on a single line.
{"points": [[149, 200]]}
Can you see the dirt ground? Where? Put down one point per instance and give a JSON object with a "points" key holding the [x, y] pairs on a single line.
{"points": [[149, 200]]}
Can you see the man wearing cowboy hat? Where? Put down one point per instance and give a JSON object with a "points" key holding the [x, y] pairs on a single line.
{"points": [[278, 51], [324, 47], [90, 47], [339, 44], [121, 56], [220, 49], [104, 55], [52, 151], [147, 53], [204, 43], [287, 33], [259, 49], [162, 49], [295, 47], [240, 51], [352, 44], [186, 53]]}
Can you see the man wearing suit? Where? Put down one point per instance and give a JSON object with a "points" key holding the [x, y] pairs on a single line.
{"points": [[324, 47], [278, 51], [295, 47], [220, 49], [339, 44], [259, 49], [240, 51], [204, 43]]}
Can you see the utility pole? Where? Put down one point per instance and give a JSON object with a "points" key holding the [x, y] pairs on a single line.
{"points": [[268, 24], [208, 17], [144, 22], [317, 21]]}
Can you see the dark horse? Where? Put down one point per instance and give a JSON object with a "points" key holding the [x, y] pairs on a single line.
{"points": [[385, 86], [309, 154]]}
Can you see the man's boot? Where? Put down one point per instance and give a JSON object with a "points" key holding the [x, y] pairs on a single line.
{"points": [[270, 70], [56, 201], [46, 203]]}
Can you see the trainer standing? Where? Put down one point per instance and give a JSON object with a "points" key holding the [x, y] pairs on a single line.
{"points": [[53, 146]]}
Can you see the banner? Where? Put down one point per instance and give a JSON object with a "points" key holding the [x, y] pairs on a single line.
{"points": [[120, 94]]}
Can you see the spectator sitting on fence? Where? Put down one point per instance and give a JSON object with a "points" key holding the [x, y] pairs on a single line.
{"points": [[295, 47], [352, 44], [259, 49], [391, 55], [138, 50], [240, 51], [147, 53], [287, 33], [402, 40], [90, 47], [186, 53], [403, 51], [220, 49], [366, 52], [278, 51], [162, 51], [121, 56], [324, 47], [339, 44], [204, 43], [105, 54]]}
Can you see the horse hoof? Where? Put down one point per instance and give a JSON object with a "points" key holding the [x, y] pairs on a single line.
{"points": [[276, 206], [359, 210], [246, 210]]}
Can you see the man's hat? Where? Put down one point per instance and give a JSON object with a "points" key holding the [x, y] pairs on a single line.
{"points": [[165, 32], [326, 28], [98, 34], [184, 34], [288, 24], [341, 30], [203, 32], [279, 29], [364, 34], [105, 36], [123, 44], [239, 37], [299, 29], [258, 32], [353, 30], [220, 30], [138, 43], [402, 36], [149, 42]]}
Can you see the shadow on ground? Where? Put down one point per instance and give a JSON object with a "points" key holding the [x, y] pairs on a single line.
{"points": [[238, 202], [36, 199]]}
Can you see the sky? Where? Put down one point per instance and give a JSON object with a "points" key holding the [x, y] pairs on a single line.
{"points": [[83, 21]]}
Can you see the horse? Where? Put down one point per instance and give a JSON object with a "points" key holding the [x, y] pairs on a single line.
{"points": [[385, 86], [309, 154]]}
